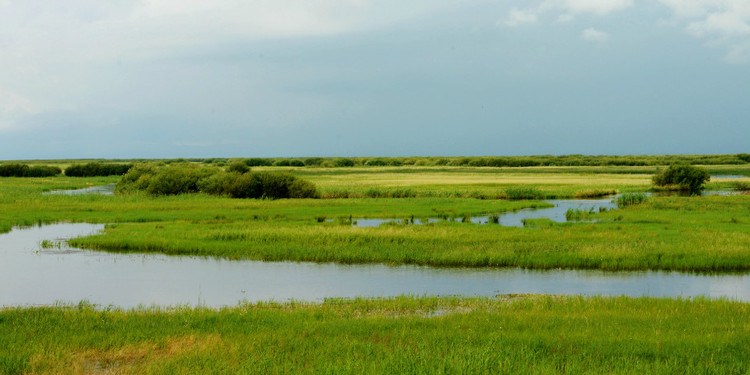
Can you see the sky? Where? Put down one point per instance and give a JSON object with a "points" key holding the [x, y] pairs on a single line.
{"points": [[294, 78]]}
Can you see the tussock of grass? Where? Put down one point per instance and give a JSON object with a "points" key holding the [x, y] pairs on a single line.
{"points": [[629, 199]]}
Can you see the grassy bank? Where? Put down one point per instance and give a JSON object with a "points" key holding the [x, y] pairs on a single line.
{"points": [[532, 334], [668, 233]]}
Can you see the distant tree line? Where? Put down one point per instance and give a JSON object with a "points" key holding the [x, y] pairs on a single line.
{"points": [[237, 181], [97, 169], [24, 170]]}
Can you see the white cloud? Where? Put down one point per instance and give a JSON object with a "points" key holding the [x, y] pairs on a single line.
{"points": [[723, 23], [518, 17], [567, 10], [600, 7], [594, 35]]}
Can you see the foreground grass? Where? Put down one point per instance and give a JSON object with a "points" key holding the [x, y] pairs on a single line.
{"points": [[531, 334]]}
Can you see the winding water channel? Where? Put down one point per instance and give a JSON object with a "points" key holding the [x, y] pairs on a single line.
{"points": [[32, 275]]}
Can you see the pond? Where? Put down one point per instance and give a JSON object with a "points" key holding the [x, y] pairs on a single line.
{"points": [[108, 189], [32, 275]]}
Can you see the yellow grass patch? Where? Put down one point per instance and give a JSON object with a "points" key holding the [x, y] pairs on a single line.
{"points": [[131, 359]]}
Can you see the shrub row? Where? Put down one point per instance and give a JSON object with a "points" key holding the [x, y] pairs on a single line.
{"points": [[97, 169], [23, 170], [182, 178], [499, 161]]}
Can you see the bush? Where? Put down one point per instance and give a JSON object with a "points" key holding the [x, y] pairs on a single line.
{"points": [[303, 189], [13, 170], [23, 170], [296, 163], [245, 186], [218, 183], [159, 179], [238, 167], [343, 162], [97, 169], [43, 171], [281, 163], [684, 176], [744, 157], [377, 162], [177, 179], [313, 162], [257, 162]]}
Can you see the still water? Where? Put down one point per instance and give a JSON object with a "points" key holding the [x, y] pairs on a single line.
{"points": [[513, 218], [31, 275]]}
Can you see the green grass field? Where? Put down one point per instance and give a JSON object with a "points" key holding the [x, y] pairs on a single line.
{"points": [[402, 335], [516, 334]]}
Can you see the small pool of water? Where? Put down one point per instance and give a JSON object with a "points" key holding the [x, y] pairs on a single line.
{"points": [[508, 219], [727, 176], [108, 189], [32, 275]]}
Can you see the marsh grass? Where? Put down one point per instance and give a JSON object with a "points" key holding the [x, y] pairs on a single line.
{"points": [[412, 335], [629, 199], [529, 192], [576, 214]]}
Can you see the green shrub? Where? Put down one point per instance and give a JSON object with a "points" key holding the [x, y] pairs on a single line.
{"points": [[177, 179], [343, 162], [238, 167], [281, 163], [744, 157], [303, 189], [218, 183], [296, 163], [23, 170], [160, 179], [97, 169], [313, 162], [43, 171], [13, 170], [377, 162], [245, 186], [258, 162], [684, 176], [741, 186]]}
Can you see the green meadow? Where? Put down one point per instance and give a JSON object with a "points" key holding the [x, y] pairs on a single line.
{"points": [[401, 335], [407, 334]]}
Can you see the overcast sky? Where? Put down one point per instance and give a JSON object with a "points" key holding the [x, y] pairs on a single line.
{"points": [[195, 78]]}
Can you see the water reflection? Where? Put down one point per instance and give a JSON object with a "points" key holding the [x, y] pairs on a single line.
{"points": [[108, 189]]}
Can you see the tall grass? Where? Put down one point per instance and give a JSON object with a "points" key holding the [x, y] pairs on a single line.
{"points": [[401, 335], [523, 193], [629, 199]]}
